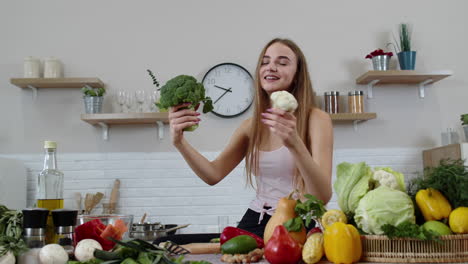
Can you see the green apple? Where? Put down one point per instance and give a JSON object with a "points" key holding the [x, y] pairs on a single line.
{"points": [[438, 227]]}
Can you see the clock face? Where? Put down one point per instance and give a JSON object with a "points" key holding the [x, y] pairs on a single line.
{"points": [[230, 86]]}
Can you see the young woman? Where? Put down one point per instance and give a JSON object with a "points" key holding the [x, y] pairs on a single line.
{"points": [[284, 151]]}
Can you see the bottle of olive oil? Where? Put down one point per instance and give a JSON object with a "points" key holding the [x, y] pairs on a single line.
{"points": [[49, 193]]}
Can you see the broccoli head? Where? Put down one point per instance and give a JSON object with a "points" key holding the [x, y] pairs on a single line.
{"points": [[184, 89]]}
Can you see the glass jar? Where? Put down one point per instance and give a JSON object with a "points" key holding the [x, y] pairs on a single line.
{"points": [[356, 102], [31, 68], [52, 68], [332, 99]]}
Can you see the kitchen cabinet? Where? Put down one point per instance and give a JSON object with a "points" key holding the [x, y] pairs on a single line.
{"points": [[372, 78], [36, 83], [107, 119]]}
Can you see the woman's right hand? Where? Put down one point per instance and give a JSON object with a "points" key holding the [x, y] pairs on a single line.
{"points": [[179, 119]]}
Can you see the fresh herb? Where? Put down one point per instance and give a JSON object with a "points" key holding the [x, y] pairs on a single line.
{"points": [[450, 178], [90, 91], [11, 231], [309, 210], [155, 81], [136, 251], [410, 230]]}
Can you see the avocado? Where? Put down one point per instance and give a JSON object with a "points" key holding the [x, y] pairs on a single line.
{"points": [[242, 244]]}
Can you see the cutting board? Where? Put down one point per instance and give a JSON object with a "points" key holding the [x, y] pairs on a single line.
{"points": [[13, 185]]}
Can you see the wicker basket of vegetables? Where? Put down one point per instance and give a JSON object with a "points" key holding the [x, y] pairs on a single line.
{"points": [[426, 221]]}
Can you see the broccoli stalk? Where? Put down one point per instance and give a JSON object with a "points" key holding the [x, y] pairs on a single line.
{"points": [[184, 89]]}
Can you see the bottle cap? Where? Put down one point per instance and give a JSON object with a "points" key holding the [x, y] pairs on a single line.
{"points": [[64, 217], [50, 144], [35, 217]]}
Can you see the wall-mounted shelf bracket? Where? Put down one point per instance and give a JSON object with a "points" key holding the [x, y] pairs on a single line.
{"points": [[105, 130], [160, 126], [34, 91], [370, 86], [422, 86], [355, 124]]}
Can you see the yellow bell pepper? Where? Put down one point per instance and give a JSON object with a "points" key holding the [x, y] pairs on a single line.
{"points": [[342, 243], [433, 205], [458, 220]]}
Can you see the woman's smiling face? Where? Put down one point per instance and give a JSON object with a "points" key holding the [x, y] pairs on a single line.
{"points": [[278, 69]]}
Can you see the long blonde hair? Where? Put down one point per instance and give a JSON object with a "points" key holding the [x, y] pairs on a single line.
{"points": [[302, 90]]}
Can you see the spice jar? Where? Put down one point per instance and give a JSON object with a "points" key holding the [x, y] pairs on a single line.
{"points": [[34, 225], [332, 105], [356, 102], [65, 222]]}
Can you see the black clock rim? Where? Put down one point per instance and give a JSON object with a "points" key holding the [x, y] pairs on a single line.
{"points": [[237, 65]]}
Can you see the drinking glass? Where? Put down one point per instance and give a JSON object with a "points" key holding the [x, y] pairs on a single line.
{"points": [[129, 102], [121, 96], [153, 98], [140, 98]]}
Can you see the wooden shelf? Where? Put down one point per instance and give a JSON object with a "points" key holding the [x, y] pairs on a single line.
{"points": [[353, 116], [125, 118], [372, 78], [56, 82], [104, 120]]}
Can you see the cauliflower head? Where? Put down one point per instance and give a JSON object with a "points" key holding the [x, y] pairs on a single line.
{"points": [[389, 178], [284, 101]]}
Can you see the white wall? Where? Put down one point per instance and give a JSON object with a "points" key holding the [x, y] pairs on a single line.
{"points": [[118, 40], [163, 186]]}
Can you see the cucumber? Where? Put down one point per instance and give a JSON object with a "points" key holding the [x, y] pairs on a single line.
{"points": [[242, 244], [106, 255]]}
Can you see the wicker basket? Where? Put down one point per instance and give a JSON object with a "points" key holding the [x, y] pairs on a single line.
{"points": [[454, 248]]}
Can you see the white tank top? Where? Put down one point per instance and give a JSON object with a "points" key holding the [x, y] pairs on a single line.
{"points": [[275, 179]]}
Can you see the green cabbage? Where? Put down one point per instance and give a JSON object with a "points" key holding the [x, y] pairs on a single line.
{"points": [[382, 206], [352, 183]]}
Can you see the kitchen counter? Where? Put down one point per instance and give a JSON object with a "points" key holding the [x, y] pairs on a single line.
{"points": [[216, 259]]}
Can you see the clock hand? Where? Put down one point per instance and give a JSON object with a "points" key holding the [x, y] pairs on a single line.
{"points": [[227, 90]]}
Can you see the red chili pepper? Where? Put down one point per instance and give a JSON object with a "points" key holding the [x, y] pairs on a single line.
{"points": [[230, 232]]}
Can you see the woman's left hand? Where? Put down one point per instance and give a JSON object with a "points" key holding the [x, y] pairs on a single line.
{"points": [[282, 124]]}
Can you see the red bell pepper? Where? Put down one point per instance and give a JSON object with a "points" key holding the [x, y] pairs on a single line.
{"points": [[93, 229], [230, 232]]}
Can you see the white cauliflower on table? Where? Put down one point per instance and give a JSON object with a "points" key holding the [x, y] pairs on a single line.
{"points": [[284, 101]]}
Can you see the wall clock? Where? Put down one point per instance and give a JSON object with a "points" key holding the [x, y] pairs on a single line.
{"points": [[231, 88]]}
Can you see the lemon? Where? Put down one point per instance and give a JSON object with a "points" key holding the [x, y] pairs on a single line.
{"points": [[458, 220]]}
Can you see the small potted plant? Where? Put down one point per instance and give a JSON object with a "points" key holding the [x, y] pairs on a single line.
{"points": [[464, 119], [380, 59], [406, 56], [93, 98]]}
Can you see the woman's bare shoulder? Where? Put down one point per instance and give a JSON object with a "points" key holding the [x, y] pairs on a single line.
{"points": [[318, 116], [244, 127]]}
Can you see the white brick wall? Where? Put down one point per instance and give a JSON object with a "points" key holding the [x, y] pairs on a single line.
{"points": [[162, 185]]}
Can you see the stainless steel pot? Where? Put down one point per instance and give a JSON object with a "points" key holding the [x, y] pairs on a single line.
{"points": [[151, 231]]}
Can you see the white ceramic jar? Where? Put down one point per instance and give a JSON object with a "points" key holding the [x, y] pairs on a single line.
{"points": [[31, 67], [52, 68]]}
